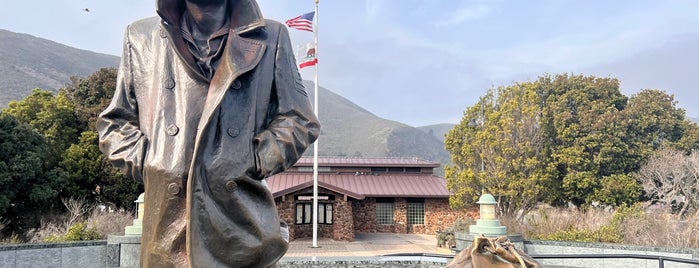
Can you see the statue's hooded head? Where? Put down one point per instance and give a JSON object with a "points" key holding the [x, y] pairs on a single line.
{"points": [[245, 14]]}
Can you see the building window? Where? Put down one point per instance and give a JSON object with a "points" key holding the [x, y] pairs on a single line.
{"points": [[304, 214], [395, 169], [378, 169], [310, 169], [416, 211], [384, 211], [413, 170]]}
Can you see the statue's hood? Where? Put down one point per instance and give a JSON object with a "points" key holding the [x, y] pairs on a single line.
{"points": [[245, 14]]}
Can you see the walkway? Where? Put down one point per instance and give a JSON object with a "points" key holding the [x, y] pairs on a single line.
{"points": [[366, 244]]}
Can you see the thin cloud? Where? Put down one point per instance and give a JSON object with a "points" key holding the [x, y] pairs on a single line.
{"points": [[465, 14]]}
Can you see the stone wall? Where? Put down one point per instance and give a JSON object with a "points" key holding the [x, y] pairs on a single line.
{"points": [[87, 254], [365, 215], [367, 262], [438, 216], [537, 247], [287, 210], [343, 221], [400, 216]]}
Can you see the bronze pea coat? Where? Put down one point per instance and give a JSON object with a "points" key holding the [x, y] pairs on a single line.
{"points": [[204, 147]]}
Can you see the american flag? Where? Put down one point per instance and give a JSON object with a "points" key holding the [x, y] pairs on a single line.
{"points": [[303, 22]]}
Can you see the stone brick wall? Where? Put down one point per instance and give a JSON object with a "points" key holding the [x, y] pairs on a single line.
{"points": [[439, 216], [400, 216], [343, 229], [364, 215], [286, 210]]}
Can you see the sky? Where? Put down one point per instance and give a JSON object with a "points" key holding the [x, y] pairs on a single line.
{"points": [[423, 62]]}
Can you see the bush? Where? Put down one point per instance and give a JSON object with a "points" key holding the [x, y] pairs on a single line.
{"points": [[446, 237], [76, 232], [626, 224], [66, 227]]}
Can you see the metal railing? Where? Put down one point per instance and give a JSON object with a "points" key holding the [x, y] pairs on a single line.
{"points": [[661, 259]]}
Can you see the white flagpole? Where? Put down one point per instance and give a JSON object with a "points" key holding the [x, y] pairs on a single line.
{"points": [[315, 146]]}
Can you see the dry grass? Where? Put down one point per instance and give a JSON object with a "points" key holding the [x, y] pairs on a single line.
{"points": [[108, 223], [662, 229], [651, 228], [104, 221], [549, 220]]}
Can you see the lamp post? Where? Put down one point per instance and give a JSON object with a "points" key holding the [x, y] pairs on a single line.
{"points": [[473, 123], [488, 224]]}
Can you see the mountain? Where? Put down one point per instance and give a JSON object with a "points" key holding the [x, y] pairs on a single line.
{"points": [[438, 131], [349, 130], [28, 62]]}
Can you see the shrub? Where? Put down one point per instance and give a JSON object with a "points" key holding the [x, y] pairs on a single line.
{"points": [[77, 232], [446, 237], [99, 224]]}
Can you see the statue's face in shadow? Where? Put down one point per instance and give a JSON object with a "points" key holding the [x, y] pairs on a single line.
{"points": [[207, 2]]}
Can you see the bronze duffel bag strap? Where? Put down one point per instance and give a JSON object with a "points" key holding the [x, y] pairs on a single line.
{"points": [[492, 253]]}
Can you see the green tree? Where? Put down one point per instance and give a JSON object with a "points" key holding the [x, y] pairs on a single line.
{"points": [[582, 115], [653, 120], [91, 95], [82, 165], [563, 138], [89, 176], [52, 116], [502, 136], [25, 191]]}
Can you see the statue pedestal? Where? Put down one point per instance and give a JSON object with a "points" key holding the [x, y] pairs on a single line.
{"points": [[123, 251]]}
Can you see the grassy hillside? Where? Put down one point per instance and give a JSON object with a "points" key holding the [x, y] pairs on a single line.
{"points": [[28, 62], [347, 129], [438, 131], [350, 130]]}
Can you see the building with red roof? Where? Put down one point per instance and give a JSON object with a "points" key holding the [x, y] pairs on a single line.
{"points": [[396, 195]]}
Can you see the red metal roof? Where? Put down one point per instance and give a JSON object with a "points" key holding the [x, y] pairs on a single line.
{"points": [[367, 161], [361, 186]]}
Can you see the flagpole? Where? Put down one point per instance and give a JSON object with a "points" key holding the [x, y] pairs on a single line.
{"points": [[315, 146]]}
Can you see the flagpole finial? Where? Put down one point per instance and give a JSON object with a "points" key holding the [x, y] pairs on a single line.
{"points": [[317, 1]]}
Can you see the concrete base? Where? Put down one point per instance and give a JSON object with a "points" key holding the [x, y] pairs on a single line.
{"points": [[465, 240], [134, 230], [123, 251], [488, 228]]}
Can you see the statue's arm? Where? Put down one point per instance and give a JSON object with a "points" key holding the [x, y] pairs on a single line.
{"points": [[293, 126], [120, 137]]}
